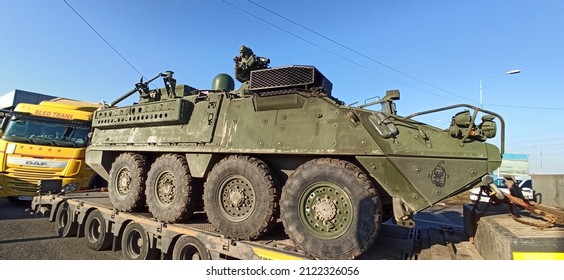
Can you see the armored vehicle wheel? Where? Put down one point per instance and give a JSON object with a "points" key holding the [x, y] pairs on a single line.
{"points": [[126, 185], [169, 189], [64, 226], [190, 248], [135, 243], [331, 209], [95, 231], [241, 197]]}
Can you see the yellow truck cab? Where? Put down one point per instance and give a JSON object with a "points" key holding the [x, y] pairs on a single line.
{"points": [[46, 142]]}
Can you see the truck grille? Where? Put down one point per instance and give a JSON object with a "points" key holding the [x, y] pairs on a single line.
{"points": [[35, 175], [26, 182]]}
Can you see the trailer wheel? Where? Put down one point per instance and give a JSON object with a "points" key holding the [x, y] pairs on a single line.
{"points": [[95, 230], [135, 243], [241, 197], [64, 226], [126, 185], [169, 189], [190, 248], [331, 209]]}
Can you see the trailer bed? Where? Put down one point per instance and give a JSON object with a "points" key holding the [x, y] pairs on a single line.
{"points": [[393, 243]]}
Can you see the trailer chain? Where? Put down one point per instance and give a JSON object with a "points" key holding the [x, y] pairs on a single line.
{"points": [[551, 218], [550, 221]]}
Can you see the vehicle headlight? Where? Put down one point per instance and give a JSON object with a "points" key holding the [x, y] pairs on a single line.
{"points": [[488, 127], [70, 187], [460, 124]]}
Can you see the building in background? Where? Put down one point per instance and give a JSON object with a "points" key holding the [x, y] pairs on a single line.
{"points": [[514, 164], [9, 100]]}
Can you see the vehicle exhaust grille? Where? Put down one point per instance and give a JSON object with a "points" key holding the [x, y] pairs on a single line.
{"points": [[305, 77]]}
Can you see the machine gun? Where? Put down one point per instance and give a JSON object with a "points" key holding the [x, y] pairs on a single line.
{"points": [[246, 62], [147, 95]]}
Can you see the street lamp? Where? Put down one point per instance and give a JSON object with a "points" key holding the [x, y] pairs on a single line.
{"points": [[512, 72], [540, 148]]}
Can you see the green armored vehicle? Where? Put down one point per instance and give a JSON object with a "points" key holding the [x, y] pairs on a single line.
{"points": [[283, 147]]}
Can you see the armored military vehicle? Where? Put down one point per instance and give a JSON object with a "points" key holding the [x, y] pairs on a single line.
{"points": [[283, 147]]}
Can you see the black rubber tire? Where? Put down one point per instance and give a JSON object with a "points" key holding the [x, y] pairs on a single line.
{"points": [[135, 243], [128, 196], [96, 232], [260, 204], [190, 248], [64, 226], [169, 189], [363, 215]]}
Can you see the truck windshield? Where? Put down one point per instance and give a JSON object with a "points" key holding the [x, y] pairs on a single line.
{"points": [[46, 132]]}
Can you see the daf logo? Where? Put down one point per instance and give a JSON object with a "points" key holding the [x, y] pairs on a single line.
{"points": [[35, 163]]}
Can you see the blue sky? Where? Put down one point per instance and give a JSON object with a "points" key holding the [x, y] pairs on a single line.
{"points": [[434, 52]]}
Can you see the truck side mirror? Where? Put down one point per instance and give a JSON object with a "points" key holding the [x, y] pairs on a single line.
{"points": [[3, 124]]}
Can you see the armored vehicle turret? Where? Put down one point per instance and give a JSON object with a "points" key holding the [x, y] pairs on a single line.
{"points": [[283, 147]]}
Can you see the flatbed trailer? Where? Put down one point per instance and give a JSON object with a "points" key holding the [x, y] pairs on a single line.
{"points": [[140, 236], [90, 215]]}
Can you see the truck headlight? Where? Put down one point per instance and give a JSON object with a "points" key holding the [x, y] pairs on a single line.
{"points": [[70, 187]]}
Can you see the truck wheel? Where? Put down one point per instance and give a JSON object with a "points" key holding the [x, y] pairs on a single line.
{"points": [[95, 231], [135, 243], [190, 248], [331, 209], [64, 226], [126, 185], [169, 189], [241, 197]]}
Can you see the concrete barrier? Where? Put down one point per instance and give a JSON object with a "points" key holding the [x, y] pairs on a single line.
{"points": [[549, 189], [497, 236]]}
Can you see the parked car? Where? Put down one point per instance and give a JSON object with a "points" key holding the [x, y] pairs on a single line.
{"points": [[526, 187]]}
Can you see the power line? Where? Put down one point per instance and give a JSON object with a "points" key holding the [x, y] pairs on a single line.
{"points": [[99, 35], [357, 52], [545, 154], [336, 54], [381, 63], [528, 107]]}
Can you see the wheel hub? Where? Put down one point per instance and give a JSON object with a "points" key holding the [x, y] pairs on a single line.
{"points": [[325, 209], [166, 188], [236, 198], [124, 182]]}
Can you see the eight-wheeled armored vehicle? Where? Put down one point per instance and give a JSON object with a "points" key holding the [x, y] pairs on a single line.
{"points": [[283, 148]]}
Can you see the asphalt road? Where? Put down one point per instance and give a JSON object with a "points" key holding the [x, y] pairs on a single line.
{"points": [[26, 237]]}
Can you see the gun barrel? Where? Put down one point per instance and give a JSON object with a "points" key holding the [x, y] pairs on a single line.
{"points": [[129, 93], [121, 98]]}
